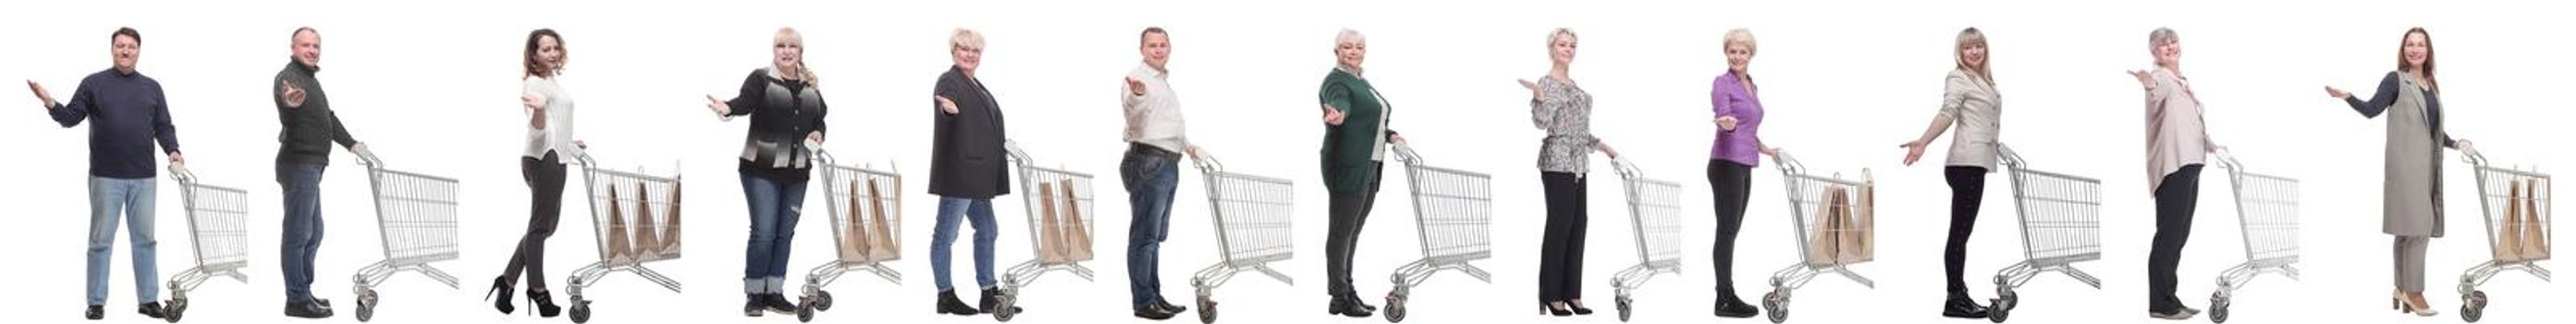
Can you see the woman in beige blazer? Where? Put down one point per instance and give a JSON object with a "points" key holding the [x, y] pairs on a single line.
{"points": [[2411, 202], [1970, 103]]}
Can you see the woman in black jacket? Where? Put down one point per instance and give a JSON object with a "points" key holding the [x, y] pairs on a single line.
{"points": [[786, 109], [966, 170]]}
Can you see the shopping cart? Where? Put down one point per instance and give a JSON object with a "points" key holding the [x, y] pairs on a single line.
{"points": [[1654, 208], [2496, 198], [867, 211], [2061, 224], [635, 218], [416, 220], [1039, 189], [1817, 203], [216, 217], [1454, 211], [1251, 214], [2268, 206]]}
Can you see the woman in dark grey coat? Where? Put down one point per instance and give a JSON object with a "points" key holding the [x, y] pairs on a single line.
{"points": [[966, 170]]}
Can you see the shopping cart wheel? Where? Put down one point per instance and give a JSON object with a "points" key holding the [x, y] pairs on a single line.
{"points": [[2005, 298], [1775, 307], [2473, 306], [822, 300], [367, 300], [805, 313], [171, 310], [580, 311], [1006, 305], [1625, 307], [2218, 308], [1395, 307], [1207, 309]]}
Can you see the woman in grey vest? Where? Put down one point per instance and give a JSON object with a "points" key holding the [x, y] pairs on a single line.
{"points": [[2411, 203]]}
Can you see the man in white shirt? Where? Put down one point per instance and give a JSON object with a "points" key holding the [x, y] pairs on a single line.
{"points": [[1151, 171]]}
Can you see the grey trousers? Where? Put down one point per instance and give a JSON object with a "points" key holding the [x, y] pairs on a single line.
{"points": [[2410, 262]]}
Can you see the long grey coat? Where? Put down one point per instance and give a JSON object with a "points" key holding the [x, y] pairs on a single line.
{"points": [[2412, 200]]}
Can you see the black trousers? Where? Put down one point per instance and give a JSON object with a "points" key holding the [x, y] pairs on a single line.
{"points": [[1349, 210], [1560, 259], [1733, 185], [1967, 193], [2175, 200], [545, 180]]}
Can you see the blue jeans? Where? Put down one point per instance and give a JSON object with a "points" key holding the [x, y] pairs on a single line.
{"points": [[978, 211], [775, 207], [301, 237], [1150, 176], [108, 198]]}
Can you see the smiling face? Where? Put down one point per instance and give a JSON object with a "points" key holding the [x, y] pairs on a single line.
{"points": [[2168, 53], [2416, 50], [967, 56], [1350, 52], [308, 48], [1738, 57], [787, 51], [1973, 54], [1560, 49], [127, 50], [1157, 48], [550, 54]]}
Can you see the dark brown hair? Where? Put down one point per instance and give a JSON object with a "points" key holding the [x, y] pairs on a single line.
{"points": [[532, 66], [127, 32]]}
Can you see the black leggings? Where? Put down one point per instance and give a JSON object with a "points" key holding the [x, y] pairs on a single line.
{"points": [[545, 180], [1967, 193], [2175, 200], [1733, 184], [1560, 261]]}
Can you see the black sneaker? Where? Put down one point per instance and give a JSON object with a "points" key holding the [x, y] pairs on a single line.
{"points": [[751, 305], [95, 312], [778, 303], [151, 309]]}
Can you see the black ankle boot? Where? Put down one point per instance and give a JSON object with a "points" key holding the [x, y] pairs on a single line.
{"points": [[544, 301], [1729, 306], [948, 304], [500, 287], [1960, 305]]}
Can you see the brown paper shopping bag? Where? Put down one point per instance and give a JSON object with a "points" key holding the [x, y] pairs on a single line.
{"points": [[646, 240], [1050, 242], [671, 229], [1822, 237], [1855, 246], [2535, 228], [618, 251], [884, 245], [1077, 238], [854, 240], [2509, 235]]}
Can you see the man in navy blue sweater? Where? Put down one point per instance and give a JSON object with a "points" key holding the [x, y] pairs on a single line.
{"points": [[127, 116]]}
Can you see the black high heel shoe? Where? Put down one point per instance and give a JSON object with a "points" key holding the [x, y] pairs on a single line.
{"points": [[501, 287], [544, 302], [1577, 307], [1552, 309]]}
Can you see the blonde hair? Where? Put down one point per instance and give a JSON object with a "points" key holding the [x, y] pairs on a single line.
{"points": [[1739, 36], [804, 70], [965, 38], [1972, 36], [1567, 33]]}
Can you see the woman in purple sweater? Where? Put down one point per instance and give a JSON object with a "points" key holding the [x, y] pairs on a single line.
{"points": [[1731, 158]]}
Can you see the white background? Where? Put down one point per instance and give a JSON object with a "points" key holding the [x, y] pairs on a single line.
{"points": [[432, 87]]}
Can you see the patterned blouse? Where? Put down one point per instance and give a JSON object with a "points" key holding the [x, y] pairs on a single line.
{"points": [[1565, 112]]}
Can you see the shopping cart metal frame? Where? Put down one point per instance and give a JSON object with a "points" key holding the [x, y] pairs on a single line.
{"points": [[2273, 212], [1654, 215], [1252, 215], [2473, 302], [406, 256], [2037, 259], [217, 220], [1477, 195], [1027, 272], [1806, 205], [816, 299], [593, 176]]}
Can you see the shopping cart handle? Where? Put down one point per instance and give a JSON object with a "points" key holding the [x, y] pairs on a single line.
{"points": [[820, 156], [582, 156], [180, 172], [1405, 151], [366, 155], [1012, 147], [1627, 169], [2473, 157], [2229, 161], [1207, 162], [1787, 162]]}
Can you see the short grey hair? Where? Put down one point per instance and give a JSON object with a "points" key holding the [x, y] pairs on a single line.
{"points": [[1348, 36], [2161, 36], [1739, 36]]}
